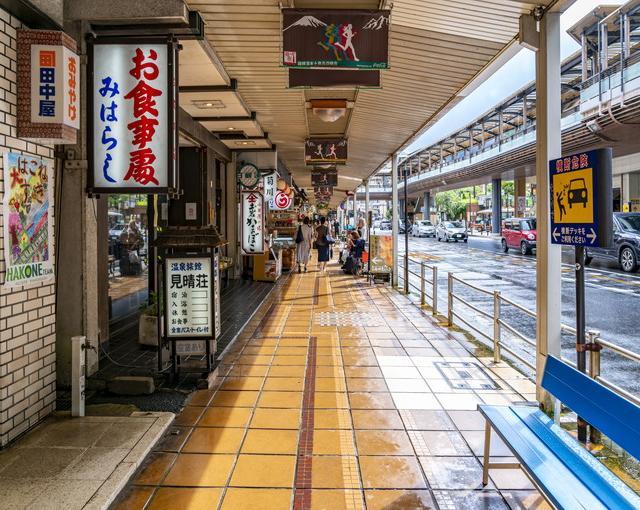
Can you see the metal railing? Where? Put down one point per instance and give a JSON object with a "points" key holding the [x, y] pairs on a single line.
{"points": [[496, 317]]}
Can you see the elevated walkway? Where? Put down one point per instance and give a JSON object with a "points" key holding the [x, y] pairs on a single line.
{"points": [[338, 395]]}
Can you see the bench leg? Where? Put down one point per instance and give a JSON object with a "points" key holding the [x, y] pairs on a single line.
{"points": [[487, 450]]}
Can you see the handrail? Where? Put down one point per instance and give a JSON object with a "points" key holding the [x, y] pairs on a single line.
{"points": [[499, 323]]}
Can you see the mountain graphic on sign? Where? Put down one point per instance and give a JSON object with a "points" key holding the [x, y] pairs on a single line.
{"points": [[307, 21], [376, 23]]}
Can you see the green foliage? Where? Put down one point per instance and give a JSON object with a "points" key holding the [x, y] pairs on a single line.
{"points": [[453, 203], [151, 308]]}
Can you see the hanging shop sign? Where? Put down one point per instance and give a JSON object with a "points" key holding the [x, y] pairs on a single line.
{"points": [[252, 223], [269, 186], [48, 85], [281, 201], [132, 118], [335, 38], [325, 150], [581, 199], [28, 215], [249, 176], [324, 177], [189, 291]]}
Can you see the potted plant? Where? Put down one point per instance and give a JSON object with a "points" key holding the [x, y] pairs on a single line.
{"points": [[148, 322]]}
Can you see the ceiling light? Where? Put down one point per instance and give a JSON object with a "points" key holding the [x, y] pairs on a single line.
{"points": [[205, 104], [245, 142], [329, 110], [230, 128]]}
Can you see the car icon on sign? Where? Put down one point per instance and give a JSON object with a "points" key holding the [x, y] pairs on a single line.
{"points": [[577, 192]]}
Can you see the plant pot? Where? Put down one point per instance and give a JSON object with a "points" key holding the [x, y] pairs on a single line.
{"points": [[148, 330]]}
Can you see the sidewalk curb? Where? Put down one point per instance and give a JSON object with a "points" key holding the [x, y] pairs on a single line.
{"points": [[118, 479]]}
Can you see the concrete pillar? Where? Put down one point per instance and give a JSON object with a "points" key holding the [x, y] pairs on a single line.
{"points": [[426, 205], [355, 207], [548, 146], [496, 205], [520, 196], [366, 199], [394, 216], [231, 216]]}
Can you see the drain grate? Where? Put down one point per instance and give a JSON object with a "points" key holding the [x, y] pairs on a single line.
{"points": [[347, 319], [466, 375]]}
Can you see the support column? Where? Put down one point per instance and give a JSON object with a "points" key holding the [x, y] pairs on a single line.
{"points": [[355, 208], [520, 196], [548, 146], [231, 216], [394, 216], [366, 200], [426, 205], [496, 205]]}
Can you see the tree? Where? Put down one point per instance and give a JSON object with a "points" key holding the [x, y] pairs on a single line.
{"points": [[452, 203]]}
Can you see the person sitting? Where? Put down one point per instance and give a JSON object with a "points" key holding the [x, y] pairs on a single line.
{"points": [[356, 249]]}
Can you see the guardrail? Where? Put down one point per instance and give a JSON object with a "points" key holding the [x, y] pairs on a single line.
{"points": [[495, 316]]}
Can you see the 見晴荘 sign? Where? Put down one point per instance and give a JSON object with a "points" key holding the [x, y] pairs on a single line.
{"points": [[131, 116], [252, 223], [189, 289], [578, 198]]}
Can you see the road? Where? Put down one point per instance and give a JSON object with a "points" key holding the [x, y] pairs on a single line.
{"points": [[612, 297]]}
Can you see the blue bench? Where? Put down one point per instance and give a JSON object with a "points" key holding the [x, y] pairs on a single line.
{"points": [[567, 475]]}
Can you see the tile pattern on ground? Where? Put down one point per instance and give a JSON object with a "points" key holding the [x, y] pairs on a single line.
{"points": [[337, 395]]}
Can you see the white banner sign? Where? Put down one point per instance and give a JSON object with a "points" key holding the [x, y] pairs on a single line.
{"points": [[188, 290], [252, 222], [269, 183], [130, 99]]}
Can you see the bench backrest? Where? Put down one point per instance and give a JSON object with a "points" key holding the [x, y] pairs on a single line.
{"points": [[613, 415]]}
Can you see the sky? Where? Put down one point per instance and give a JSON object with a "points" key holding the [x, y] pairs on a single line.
{"points": [[511, 77]]}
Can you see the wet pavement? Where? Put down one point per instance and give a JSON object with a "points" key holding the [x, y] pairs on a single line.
{"points": [[338, 395], [612, 297]]}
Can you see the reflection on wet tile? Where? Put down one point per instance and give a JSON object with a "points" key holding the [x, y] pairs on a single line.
{"points": [[264, 471], [376, 419], [467, 420], [416, 419], [256, 499], [469, 500], [399, 500], [475, 438], [214, 440], [383, 442], [426, 401], [525, 500], [435, 442], [386, 472], [452, 472]]}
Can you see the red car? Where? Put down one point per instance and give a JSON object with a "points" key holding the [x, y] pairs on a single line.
{"points": [[520, 234]]}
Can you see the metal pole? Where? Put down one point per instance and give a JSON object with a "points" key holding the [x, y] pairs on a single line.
{"points": [[450, 299], [434, 292], [594, 372], [580, 329], [394, 217], [406, 236], [422, 284], [497, 333]]}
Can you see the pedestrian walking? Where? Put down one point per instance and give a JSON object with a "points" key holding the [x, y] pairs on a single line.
{"points": [[322, 244], [304, 240]]}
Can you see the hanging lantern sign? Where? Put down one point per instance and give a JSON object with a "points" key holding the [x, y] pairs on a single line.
{"points": [[249, 176], [252, 223]]}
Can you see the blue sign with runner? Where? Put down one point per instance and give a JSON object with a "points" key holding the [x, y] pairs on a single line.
{"points": [[581, 199]]}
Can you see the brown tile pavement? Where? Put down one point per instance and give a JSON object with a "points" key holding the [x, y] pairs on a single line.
{"points": [[338, 395]]}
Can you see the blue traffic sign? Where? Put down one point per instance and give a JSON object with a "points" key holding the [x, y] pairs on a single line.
{"points": [[580, 199]]}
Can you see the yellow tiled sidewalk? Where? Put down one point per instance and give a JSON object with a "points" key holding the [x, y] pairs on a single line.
{"points": [[338, 395]]}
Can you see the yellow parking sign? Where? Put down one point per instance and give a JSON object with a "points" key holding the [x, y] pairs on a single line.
{"points": [[573, 196]]}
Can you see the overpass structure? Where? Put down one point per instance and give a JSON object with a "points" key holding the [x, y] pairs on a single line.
{"points": [[600, 99]]}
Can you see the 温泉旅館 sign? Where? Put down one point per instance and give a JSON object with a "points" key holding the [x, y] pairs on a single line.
{"points": [[28, 219]]}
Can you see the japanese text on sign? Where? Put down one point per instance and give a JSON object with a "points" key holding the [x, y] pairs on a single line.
{"points": [[252, 222], [188, 290], [131, 116]]}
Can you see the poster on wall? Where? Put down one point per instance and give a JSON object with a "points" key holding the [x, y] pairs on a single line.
{"points": [[28, 219], [132, 117], [381, 253], [189, 297], [252, 223], [335, 38]]}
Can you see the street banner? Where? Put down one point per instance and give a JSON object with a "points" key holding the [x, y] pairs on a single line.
{"points": [[28, 219], [320, 177], [333, 78], [132, 119], [325, 150], [252, 223], [335, 38], [581, 200]]}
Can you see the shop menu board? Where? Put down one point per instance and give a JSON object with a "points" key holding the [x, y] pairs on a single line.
{"points": [[381, 253], [189, 300]]}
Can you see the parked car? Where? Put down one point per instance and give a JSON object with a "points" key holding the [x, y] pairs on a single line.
{"points": [[451, 231], [625, 249], [520, 234], [423, 228], [385, 225], [404, 226], [116, 230]]}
